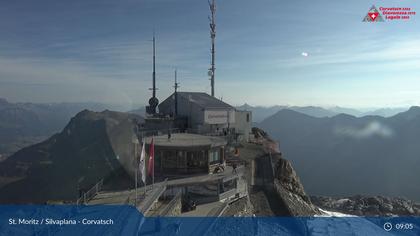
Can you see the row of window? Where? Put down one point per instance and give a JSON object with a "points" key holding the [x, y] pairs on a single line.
{"points": [[182, 159]]}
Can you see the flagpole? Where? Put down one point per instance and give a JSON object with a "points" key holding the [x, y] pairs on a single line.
{"points": [[135, 200], [153, 174], [145, 188], [151, 164], [144, 169], [136, 173]]}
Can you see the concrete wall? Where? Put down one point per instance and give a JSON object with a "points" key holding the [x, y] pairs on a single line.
{"points": [[216, 127], [195, 114], [243, 124]]}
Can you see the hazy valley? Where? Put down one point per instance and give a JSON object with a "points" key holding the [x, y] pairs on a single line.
{"points": [[346, 155]]}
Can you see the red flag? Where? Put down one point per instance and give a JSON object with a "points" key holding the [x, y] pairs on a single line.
{"points": [[151, 168]]}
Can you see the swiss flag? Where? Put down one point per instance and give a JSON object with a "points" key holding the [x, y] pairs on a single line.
{"points": [[150, 169], [373, 15]]}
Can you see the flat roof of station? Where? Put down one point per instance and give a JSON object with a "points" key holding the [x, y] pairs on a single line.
{"points": [[186, 140]]}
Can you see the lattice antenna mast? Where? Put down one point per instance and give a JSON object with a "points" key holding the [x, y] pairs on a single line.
{"points": [[212, 6]]}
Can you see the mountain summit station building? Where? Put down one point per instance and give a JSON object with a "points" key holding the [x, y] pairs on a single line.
{"points": [[205, 114]]}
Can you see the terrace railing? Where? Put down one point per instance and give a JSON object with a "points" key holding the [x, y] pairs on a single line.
{"points": [[91, 193]]}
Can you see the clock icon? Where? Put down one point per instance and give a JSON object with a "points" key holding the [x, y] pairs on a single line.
{"points": [[387, 226]]}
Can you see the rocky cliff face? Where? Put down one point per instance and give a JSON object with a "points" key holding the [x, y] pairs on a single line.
{"points": [[261, 137], [281, 184], [290, 190]]}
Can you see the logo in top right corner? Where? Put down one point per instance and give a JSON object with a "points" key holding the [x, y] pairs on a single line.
{"points": [[388, 13], [373, 15]]}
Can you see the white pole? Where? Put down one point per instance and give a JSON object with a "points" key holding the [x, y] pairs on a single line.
{"points": [[154, 155], [143, 173], [136, 173], [144, 189], [135, 200]]}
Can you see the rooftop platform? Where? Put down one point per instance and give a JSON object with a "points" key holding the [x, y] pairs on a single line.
{"points": [[187, 140]]}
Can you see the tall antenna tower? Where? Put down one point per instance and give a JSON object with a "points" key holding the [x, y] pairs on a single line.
{"points": [[212, 6], [153, 101], [154, 66]]}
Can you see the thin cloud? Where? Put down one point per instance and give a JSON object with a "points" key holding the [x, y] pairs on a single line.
{"points": [[401, 52], [374, 128]]}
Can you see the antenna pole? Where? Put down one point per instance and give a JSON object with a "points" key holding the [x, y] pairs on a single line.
{"points": [[153, 101], [176, 86], [212, 6], [154, 66], [176, 83]]}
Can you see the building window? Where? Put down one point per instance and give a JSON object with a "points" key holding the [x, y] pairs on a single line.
{"points": [[182, 159], [196, 159], [214, 157], [247, 117], [170, 160]]}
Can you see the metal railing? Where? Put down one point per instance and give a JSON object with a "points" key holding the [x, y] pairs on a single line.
{"points": [[156, 132], [172, 204], [91, 193], [156, 193], [227, 194]]}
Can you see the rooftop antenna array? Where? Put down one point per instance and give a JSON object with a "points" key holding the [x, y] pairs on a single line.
{"points": [[212, 69], [153, 101]]}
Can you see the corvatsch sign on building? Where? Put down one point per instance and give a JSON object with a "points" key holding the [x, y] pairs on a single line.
{"points": [[219, 117]]}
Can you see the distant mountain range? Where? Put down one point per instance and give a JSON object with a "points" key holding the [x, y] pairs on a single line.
{"points": [[260, 112], [23, 124], [140, 111], [345, 155], [88, 149], [369, 154]]}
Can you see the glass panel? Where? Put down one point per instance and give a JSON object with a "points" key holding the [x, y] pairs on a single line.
{"points": [[182, 163], [214, 156], [170, 159]]}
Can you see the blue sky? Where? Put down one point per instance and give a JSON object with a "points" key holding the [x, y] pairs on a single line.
{"points": [[100, 51]]}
